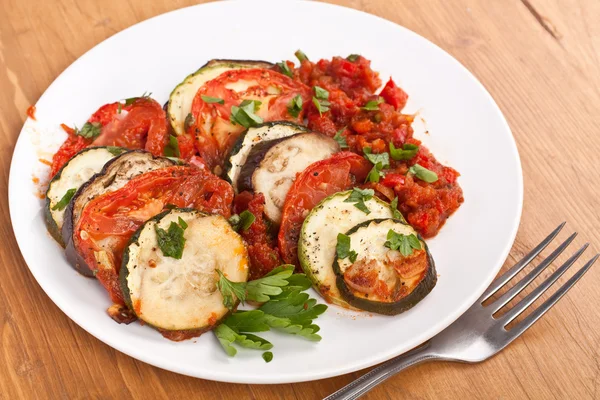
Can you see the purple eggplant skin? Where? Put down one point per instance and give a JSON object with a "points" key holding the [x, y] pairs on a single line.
{"points": [[254, 159], [78, 203]]}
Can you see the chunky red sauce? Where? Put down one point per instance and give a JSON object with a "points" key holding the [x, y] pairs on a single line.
{"points": [[31, 112]]}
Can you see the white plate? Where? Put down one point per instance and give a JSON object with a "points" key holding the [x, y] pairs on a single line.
{"points": [[467, 130]]}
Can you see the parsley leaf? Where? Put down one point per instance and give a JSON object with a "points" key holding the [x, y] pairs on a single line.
{"points": [[231, 290], [132, 100], [403, 243], [210, 99], [267, 356], [359, 196], [322, 105], [342, 248], [394, 207], [228, 336], [294, 107], [341, 139], [242, 221], [115, 151], [352, 57], [64, 201], [423, 173], [300, 55], [171, 242], [383, 158], [90, 130], [172, 148], [321, 93], [373, 105], [245, 114], [285, 69], [407, 151]]}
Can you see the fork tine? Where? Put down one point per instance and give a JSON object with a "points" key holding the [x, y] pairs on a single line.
{"points": [[535, 294], [541, 310], [508, 275], [519, 286]]}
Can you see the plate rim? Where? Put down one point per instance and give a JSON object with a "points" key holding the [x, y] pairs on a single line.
{"points": [[170, 365]]}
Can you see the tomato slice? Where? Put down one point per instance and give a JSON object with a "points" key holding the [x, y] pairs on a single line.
{"points": [[108, 221], [139, 125], [320, 180], [215, 134]]}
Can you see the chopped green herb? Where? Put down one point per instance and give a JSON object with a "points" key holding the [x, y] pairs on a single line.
{"points": [[403, 243], [352, 57], [423, 173], [267, 356], [119, 108], [172, 148], [285, 69], [210, 99], [321, 93], [322, 105], [190, 121], [394, 207], [115, 151], [231, 291], [132, 100], [64, 201], [245, 114], [342, 248], [383, 158], [172, 242], [341, 139], [373, 105], [243, 221], [300, 55], [294, 107], [358, 197], [90, 130], [407, 151]]}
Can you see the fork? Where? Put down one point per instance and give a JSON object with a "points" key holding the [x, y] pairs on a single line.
{"points": [[477, 335]]}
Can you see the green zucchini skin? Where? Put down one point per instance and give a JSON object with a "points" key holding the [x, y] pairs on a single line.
{"points": [[51, 225], [419, 293], [227, 166]]}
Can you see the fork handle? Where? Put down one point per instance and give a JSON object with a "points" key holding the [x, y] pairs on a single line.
{"points": [[377, 375]]}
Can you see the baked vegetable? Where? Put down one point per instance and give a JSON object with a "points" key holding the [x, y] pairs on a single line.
{"points": [[383, 266], [61, 189], [279, 165], [318, 238], [253, 137], [115, 174], [176, 291], [181, 98]]}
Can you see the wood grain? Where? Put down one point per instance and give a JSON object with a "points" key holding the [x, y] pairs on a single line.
{"points": [[540, 59]]}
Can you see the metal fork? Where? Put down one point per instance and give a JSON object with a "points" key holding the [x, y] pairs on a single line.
{"points": [[477, 335]]}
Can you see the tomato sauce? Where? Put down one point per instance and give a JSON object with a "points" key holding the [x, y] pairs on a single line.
{"points": [[31, 112]]}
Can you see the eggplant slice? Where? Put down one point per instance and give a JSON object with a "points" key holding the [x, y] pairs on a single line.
{"points": [[273, 166], [181, 98], [381, 279], [180, 297], [251, 138], [115, 174], [78, 170]]}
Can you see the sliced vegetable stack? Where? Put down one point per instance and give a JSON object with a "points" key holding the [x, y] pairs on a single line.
{"points": [[256, 181]]}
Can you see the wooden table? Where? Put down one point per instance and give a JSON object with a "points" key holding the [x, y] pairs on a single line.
{"points": [[540, 59]]}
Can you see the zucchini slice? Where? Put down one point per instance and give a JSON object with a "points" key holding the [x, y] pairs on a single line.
{"points": [[318, 239], [78, 170], [181, 294], [251, 138], [181, 98], [115, 174], [281, 163], [383, 280]]}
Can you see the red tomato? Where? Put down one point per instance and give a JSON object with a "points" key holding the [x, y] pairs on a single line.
{"points": [[394, 95], [140, 125], [321, 179], [108, 221], [215, 134]]}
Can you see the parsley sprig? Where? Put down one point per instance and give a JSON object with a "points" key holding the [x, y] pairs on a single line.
{"points": [[285, 308], [403, 243], [358, 197], [171, 241]]}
